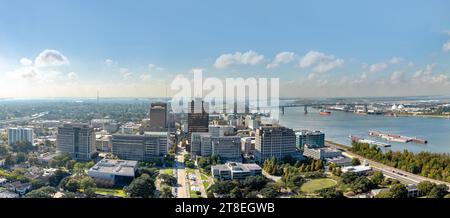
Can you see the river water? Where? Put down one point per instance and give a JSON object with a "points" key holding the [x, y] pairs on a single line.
{"points": [[339, 125]]}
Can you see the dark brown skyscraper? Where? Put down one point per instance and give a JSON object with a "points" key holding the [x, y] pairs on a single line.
{"points": [[198, 116], [158, 116]]}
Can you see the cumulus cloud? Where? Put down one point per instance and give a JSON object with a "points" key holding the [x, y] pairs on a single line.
{"points": [[320, 62], [50, 57], [26, 62], [155, 67], [426, 76], [238, 58], [109, 62], [395, 60], [72, 76], [397, 77], [125, 73], [27, 72], [281, 58], [446, 46], [145, 77], [378, 67]]}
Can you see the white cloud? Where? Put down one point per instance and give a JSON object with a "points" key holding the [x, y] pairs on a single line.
{"points": [[320, 62], [395, 60], [50, 57], [397, 77], [446, 46], [109, 62], [72, 76], [281, 58], [145, 77], [426, 76], [26, 62], [27, 72], [238, 58], [378, 67], [154, 67], [125, 73]]}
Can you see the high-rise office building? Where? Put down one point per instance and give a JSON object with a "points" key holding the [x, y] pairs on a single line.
{"points": [[20, 134], [77, 140], [228, 148], [221, 130], [198, 116], [196, 143], [140, 147], [274, 141], [158, 116], [315, 139]]}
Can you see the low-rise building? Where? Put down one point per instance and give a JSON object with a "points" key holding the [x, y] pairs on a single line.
{"points": [[233, 170], [360, 169], [320, 153], [341, 161], [113, 172], [19, 187]]}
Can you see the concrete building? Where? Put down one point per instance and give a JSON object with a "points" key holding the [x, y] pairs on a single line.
{"points": [[228, 148], [339, 161], [108, 125], [140, 147], [248, 145], [312, 138], [252, 122], [360, 170], [232, 170], [103, 143], [20, 134], [77, 140], [196, 142], [113, 172], [274, 141], [320, 153], [198, 116], [221, 130], [158, 116]]}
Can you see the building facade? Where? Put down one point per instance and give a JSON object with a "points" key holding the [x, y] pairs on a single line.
{"points": [[274, 141], [198, 116], [232, 170], [228, 148], [77, 140], [158, 116], [20, 134], [139, 147], [312, 138]]}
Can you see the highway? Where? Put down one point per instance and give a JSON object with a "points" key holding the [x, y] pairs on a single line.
{"points": [[391, 172]]}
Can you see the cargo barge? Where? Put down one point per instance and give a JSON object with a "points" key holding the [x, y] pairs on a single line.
{"points": [[397, 138], [370, 142]]}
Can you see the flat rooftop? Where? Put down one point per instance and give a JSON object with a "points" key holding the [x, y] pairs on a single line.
{"points": [[115, 167], [233, 166]]}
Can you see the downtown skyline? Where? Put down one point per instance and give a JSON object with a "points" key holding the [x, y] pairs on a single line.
{"points": [[135, 49]]}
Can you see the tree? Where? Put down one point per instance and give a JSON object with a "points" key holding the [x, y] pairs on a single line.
{"points": [[87, 183], [43, 192], [361, 184], [356, 162], [141, 187], [69, 195], [425, 187], [236, 193], [168, 179], [72, 185], [56, 178], [398, 191], [438, 191], [377, 178], [270, 192], [295, 182], [90, 193], [255, 183], [349, 177], [166, 192], [36, 184], [330, 193]]}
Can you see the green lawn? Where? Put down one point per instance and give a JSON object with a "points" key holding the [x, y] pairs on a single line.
{"points": [[168, 171], [317, 184], [190, 170], [112, 192]]}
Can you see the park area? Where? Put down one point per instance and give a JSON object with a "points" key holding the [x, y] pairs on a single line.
{"points": [[317, 184]]}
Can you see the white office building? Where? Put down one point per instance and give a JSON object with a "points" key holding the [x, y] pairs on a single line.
{"points": [[20, 134]]}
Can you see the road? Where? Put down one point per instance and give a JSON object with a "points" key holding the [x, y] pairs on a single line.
{"points": [[182, 189], [401, 175]]}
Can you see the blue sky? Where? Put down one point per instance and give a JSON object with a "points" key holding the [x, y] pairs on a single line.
{"points": [[147, 42]]}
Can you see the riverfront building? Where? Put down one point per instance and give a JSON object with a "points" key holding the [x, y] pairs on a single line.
{"points": [[320, 153], [274, 141], [312, 138], [77, 140]]}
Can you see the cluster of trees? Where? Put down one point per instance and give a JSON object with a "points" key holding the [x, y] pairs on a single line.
{"points": [[276, 168], [168, 180], [396, 191], [357, 183], [432, 190], [141, 187], [251, 187], [205, 163], [188, 161], [332, 192], [431, 165]]}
